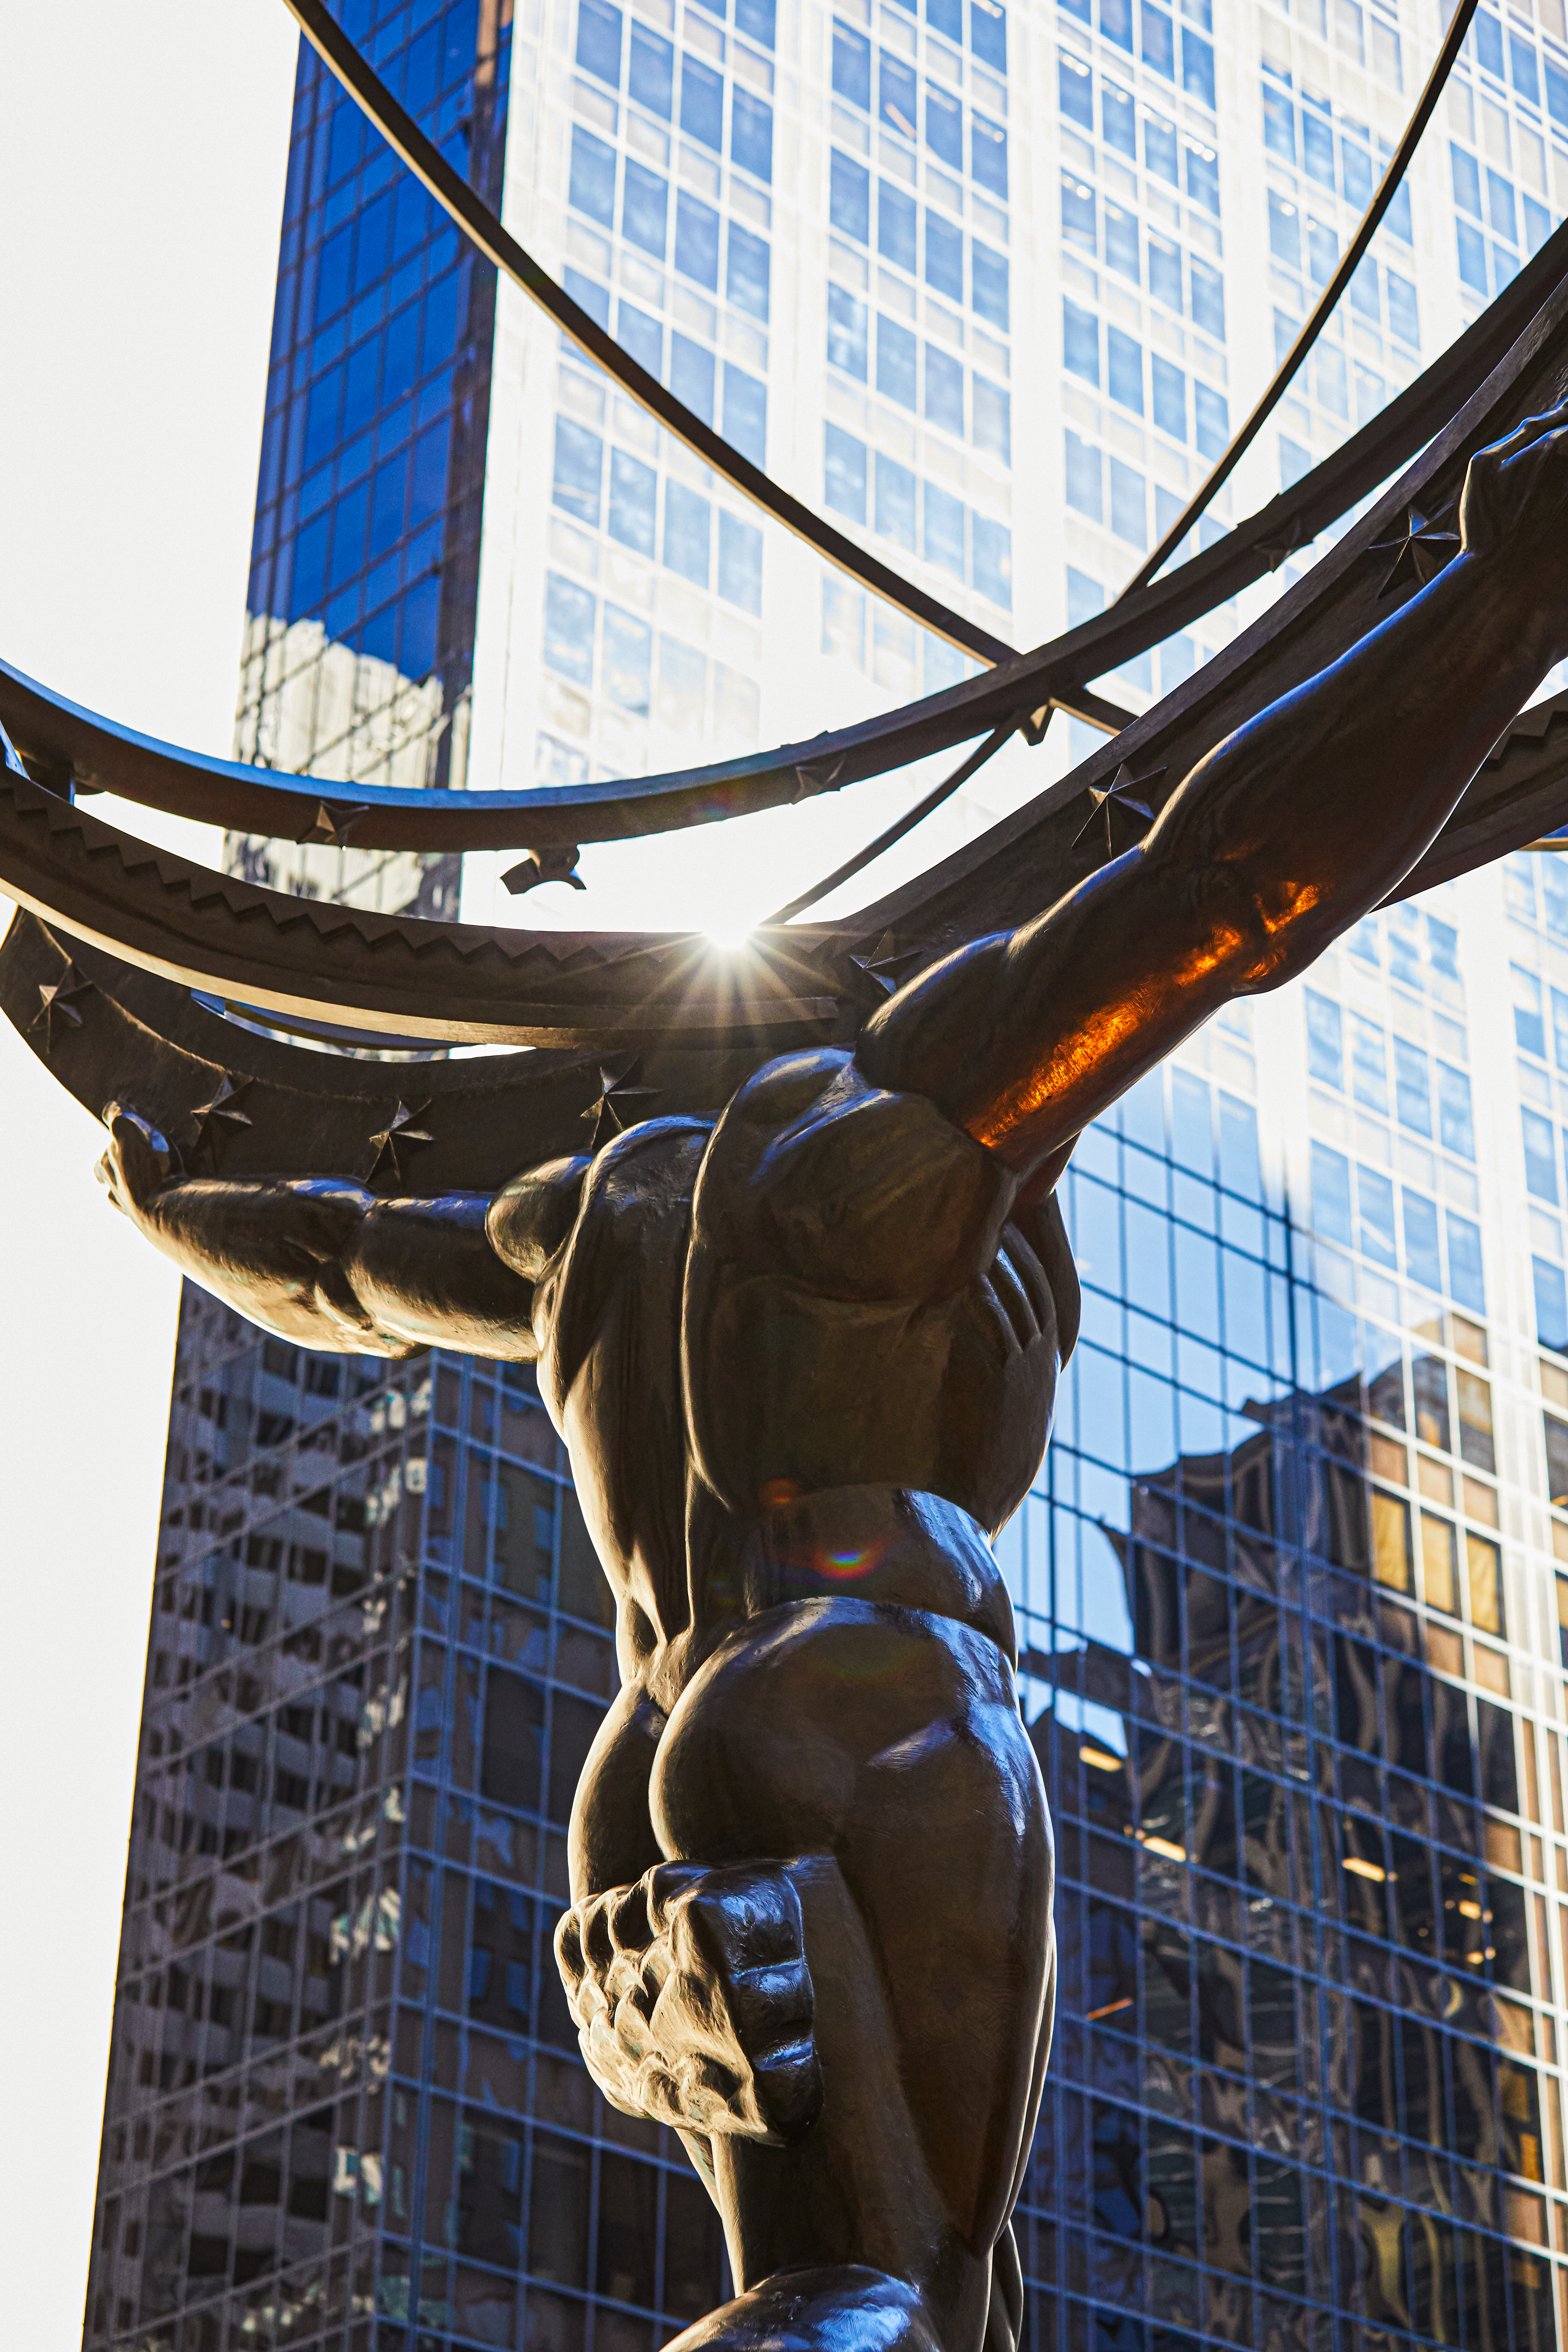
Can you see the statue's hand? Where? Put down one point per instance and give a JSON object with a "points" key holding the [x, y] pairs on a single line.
{"points": [[1515, 501], [693, 2000], [137, 1164]]}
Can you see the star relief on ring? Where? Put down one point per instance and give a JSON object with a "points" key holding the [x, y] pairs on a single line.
{"points": [[1421, 549], [620, 1104], [1125, 795], [401, 1133]]}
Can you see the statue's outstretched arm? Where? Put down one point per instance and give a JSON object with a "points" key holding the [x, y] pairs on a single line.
{"points": [[1280, 839], [324, 1262]]}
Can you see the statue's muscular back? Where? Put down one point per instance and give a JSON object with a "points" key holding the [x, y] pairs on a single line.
{"points": [[764, 1339]]}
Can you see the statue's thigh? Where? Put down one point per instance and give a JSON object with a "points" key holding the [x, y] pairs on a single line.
{"points": [[891, 1741]]}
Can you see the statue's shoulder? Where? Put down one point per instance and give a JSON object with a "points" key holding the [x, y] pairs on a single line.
{"points": [[826, 1176], [651, 1166]]}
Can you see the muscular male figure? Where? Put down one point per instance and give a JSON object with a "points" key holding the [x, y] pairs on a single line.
{"points": [[804, 1357]]}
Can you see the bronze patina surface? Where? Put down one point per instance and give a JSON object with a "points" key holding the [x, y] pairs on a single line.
{"points": [[803, 1344]]}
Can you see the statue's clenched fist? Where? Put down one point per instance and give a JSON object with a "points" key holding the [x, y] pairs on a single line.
{"points": [[693, 2000], [137, 1163]]}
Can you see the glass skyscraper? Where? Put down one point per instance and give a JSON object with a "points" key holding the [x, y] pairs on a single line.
{"points": [[992, 286]]}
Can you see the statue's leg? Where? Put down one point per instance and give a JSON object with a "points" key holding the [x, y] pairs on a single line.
{"points": [[877, 1754]]}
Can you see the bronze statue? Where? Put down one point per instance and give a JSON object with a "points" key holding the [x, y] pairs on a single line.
{"points": [[805, 1357]]}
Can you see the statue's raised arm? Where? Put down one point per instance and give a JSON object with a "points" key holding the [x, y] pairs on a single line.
{"points": [[325, 1262], [1282, 839]]}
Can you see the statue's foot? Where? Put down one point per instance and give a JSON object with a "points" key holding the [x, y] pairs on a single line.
{"points": [[831, 2308], [693, 2000]]}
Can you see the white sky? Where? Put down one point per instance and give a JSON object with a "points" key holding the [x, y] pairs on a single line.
{"points": [[141, 187]]}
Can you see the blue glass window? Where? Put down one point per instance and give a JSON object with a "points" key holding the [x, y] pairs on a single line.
{"points": [[1075, 86], [944, 259], [1557, 93], [696, 240], [1539, 1155], [739, 561], [1080, 342], [1208, 299], [1499, 206], [568, 630], [746, 272], [1467, 1281], [1279, 123], [1198, 68], [599, 41], [1560, 1028], [1325, 1040], [642, 336], [592, 189], [1374, 1198], [895, 361], [588, 296], [1124, 369], [1355, 172], [994, 561], [851, 66], [896, 104], [944, 127], [1213, 415], [1472, 256], [1317, 147], [1119, 119], [687, 532], [1467, 180], [1129, 504], [1484, 38], [634, 497], [988, 272], [944, 389], [1551, 1306], [1078, 214], [751, 135], [745, 413], [1122, 241], [1165, 272], [946, 17], [895, 501], [1158, 42], [1331, 1193], [701, 102], [1284, 231], [897, 221], [847, 335], [988, 33], [1169, 389], [1421, 1252], [1529, 1026], [1455, 1122], [1084, 490], [849, 198], [844, 473], [988, 155], [1403, 314], [579, 466], [653, 71], [943, 530], [691, 374], [1116, 23], [755, 18], [644, 209], [993, 419], [1160, 150], [629, 660]]}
